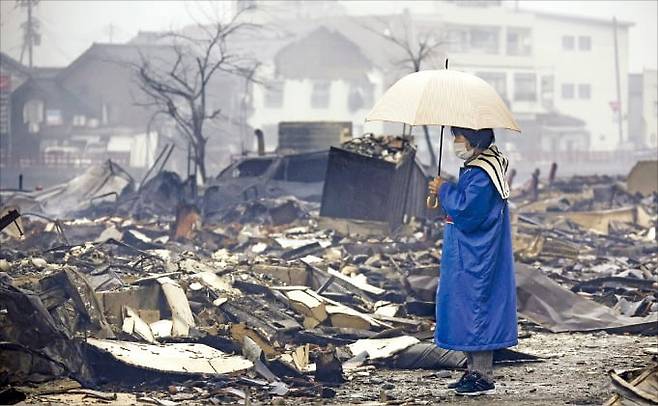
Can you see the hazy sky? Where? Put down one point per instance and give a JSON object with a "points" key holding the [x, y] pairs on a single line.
{"points": [[69, 27]]}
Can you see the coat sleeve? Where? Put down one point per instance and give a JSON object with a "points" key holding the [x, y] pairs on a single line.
{"points": [[469, 202]]}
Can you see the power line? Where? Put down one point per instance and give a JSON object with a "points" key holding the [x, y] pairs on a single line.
{"points": [[54, 44], [7, 16], [31, 36]]}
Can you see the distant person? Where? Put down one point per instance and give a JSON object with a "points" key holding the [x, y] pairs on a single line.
{"points": [[510, 178], [551, 174], [476, 298], [534, 185]]}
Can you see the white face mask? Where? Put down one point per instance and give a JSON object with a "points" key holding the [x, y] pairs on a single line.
{"points": [[461, 151]]}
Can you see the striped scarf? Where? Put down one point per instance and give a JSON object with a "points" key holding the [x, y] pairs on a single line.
{"points": [[494, 163]]}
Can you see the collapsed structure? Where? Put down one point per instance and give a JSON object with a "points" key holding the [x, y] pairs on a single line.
{"points": [[131, 288]]}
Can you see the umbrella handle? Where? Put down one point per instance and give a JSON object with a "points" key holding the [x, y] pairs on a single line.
{"points": [[432, 202]]}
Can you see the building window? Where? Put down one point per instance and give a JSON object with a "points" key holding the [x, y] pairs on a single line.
{"points": [[79, 120], [484, 39], [457, 39], [33, 111], [251, 168], [568, 42], [360, 96], [33, 115], [472, 39], [309, 168], [274, 94], [525, 88], [498, 80], [584, 43], [567, 90], [584, 91], [320, 95], [547, 90], [54, 117], [519, 41]]}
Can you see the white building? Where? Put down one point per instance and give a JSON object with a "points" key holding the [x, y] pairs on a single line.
{"points": [[544, 65], [328, 69], [322, 76], [558, 73]]}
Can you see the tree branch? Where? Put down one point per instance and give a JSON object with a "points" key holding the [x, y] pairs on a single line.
{"points": [[178, 86]]}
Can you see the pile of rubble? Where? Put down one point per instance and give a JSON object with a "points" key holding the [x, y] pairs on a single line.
{"points": [[271, 300], [593, 236], [387, 147]]}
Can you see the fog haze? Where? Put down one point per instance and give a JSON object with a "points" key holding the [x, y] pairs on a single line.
{"points": [[69, 27]]}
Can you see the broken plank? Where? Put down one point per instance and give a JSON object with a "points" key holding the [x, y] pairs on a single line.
{"points": [[398, 320], [343, 316], [343, 313], [269, 319], [302, 251], [147, 300], [306, 304], [387, 309], [241, 330], [161, 328], [216, 283], [107, 396], [357, 283], [286, 274], [134, 325], [343, 281], [378, 348], [181, 314], [179, 358]]}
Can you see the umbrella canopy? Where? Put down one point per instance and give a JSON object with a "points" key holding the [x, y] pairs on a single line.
{"points": [[443, 97]]}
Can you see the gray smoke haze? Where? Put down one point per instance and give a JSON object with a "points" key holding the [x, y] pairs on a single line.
{"points": [[69, 27]]}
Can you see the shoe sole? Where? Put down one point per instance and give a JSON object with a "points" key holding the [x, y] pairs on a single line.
{"points": [[483, 392]]}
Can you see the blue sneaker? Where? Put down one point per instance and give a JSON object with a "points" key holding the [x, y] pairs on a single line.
{"points": [[474, 384]]}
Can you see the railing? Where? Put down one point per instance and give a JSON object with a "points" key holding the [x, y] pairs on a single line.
{"points": [[62, 159]]}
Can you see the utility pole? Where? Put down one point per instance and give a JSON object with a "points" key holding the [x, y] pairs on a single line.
{"points": [[619, 114], [110, 32], [31, 37]]}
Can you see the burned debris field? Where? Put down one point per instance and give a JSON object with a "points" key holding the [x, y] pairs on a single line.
{"points": [[328, 202], [147, 296]]}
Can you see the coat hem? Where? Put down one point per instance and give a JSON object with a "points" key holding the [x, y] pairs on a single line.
{"points": [[470, 348]]}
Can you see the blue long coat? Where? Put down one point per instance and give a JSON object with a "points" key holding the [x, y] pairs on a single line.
{"points": [[476, 297]]}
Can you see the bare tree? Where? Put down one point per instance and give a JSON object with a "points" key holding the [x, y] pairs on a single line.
{"points": [[178, 85], [417, 49]]}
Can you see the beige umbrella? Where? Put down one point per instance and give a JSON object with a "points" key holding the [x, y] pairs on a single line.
{"points": [[443, 97]]}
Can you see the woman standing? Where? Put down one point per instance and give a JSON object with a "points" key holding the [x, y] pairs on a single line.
{"points": [[476, 298]]}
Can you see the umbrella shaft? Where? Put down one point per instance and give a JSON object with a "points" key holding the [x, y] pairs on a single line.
{"points": [[440, 151]]}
